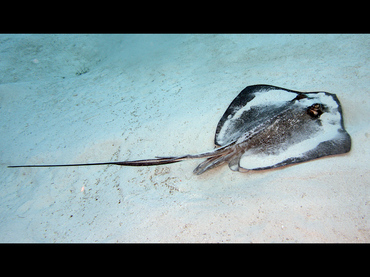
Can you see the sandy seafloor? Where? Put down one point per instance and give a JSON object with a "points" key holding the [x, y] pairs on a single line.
{"points": [[96, 98]]}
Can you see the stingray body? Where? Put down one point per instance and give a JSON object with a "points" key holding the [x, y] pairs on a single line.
{"points": [[267, 127]]}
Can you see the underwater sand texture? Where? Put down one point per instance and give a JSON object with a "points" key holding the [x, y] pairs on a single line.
{"points": [[91, 98]]}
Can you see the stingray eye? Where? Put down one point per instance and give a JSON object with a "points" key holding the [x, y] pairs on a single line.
{"points": [[315, 110]]}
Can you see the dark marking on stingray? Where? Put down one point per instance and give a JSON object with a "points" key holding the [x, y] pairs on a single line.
{"points": [[267, 127]]}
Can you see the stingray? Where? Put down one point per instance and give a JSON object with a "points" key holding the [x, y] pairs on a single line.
{"points": [[266, 127]]}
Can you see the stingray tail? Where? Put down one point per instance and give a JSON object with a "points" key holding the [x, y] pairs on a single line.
{"points": [[215, 158], [150, 162], [147, 162]]}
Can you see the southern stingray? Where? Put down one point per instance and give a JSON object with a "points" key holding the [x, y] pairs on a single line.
{"points": [[266, 127]]}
